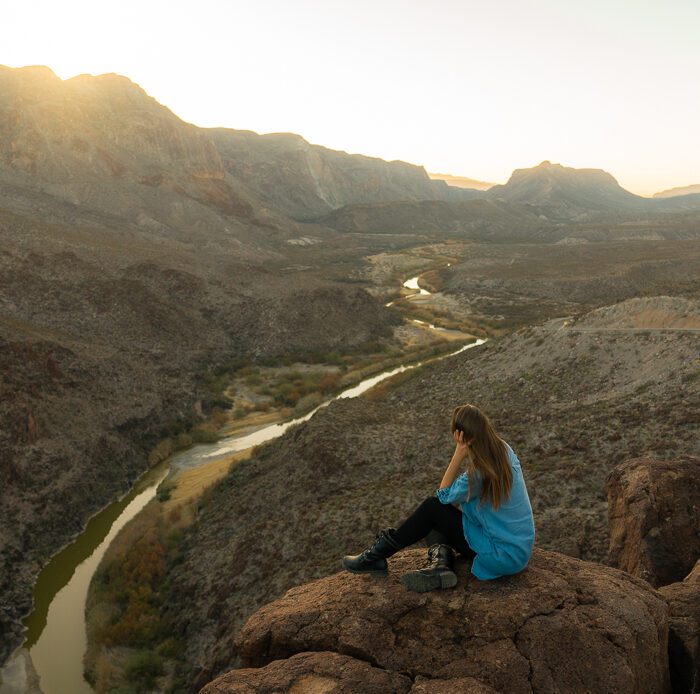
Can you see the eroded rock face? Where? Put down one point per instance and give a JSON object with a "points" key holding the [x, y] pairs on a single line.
{"points": [[654, 517], [684, 631], [561, 625]]}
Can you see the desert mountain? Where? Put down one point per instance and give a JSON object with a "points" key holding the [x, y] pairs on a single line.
{"points": [[533, 204], [100, 148], [286, 173], [682, 190], [562, 191], [101, 144], [461, 181]]}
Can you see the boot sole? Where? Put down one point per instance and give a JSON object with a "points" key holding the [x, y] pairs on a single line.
{"points": [[422, 583], [371, 572]]}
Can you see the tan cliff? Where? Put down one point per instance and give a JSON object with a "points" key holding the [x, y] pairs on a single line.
{"points": [[101, 142]]}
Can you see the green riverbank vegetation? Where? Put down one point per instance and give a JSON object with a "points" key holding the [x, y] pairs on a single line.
{"points": [[131, 646], [266, 391]]}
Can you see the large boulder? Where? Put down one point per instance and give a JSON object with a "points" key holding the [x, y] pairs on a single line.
{"points": [[684, 632], [561, 625], [654, 517]]}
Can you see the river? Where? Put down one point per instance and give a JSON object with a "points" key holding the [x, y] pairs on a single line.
{"points": [[51, 659]]}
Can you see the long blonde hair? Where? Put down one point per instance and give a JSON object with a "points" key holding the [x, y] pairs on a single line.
{"points": [[487, 454]]}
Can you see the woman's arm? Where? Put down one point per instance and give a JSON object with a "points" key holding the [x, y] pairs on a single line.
{"points": [[461, 452]]}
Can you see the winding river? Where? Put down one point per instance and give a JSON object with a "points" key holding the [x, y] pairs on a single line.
{"points": [[50, 660]]}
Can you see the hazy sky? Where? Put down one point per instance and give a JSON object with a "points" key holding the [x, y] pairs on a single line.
{"points": [[463, 87]]}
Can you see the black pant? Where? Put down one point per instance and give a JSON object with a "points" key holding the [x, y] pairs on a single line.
{"points": [[441, 522]]}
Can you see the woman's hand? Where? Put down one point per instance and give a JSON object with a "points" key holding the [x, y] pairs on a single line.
{"points": [[461, 444], [461, 452]]}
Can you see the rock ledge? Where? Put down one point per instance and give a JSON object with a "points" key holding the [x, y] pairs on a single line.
{"points": [[561, 625]]}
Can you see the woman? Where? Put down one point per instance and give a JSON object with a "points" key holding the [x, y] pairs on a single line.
{"points": [[483, 513]]}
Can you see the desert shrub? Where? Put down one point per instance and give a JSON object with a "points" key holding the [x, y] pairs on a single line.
{"points": [[211, 402], [183, 441], [286, 394], [205, 433], [175, 427], [329, 382], [307, 403], [254, 379], [332, 358], [219, 417], [161, 451], [691, 377], [171, 648], [132, 585], [143, 668], [175, 537]]}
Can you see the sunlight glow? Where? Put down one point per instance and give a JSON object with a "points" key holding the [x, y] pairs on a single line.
{"points": [[462, 87]]}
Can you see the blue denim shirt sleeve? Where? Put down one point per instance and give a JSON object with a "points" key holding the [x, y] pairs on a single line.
{"points": [[457, 491]]}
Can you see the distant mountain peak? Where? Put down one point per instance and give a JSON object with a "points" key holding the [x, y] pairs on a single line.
{"points": [[565, 192], [693, 189], [461, 181]]}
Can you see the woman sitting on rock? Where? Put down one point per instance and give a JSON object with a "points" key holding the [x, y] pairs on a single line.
{"points": [[495, 526]]}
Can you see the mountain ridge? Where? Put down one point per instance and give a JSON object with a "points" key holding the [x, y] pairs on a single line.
{"points": [[692, 189], [103, 144]]}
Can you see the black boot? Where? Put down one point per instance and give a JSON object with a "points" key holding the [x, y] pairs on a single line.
{"points": [[435, 537], [439, 573], [373, 560]]}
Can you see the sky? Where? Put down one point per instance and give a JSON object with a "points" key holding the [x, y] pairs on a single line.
{"points": [[475, 89]]}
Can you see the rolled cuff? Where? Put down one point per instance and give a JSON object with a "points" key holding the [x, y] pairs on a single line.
{"points": [[443, 495]]}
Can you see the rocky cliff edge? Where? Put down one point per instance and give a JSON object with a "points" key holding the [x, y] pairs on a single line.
{"points": [[561, 625]]}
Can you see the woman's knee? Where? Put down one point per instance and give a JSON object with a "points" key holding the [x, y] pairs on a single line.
{"points": [[431, 503]]}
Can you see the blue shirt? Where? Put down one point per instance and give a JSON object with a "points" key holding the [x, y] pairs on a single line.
{"points": [[503, 539]]}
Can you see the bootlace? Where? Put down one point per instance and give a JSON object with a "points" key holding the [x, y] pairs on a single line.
{"points": [[433, 556], [367, 553]]}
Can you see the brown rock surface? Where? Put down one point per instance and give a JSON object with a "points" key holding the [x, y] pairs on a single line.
{"points": [[684, 631], [311, 673], [464, 685], [330, 673], [654, 517], [561, 625]]}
